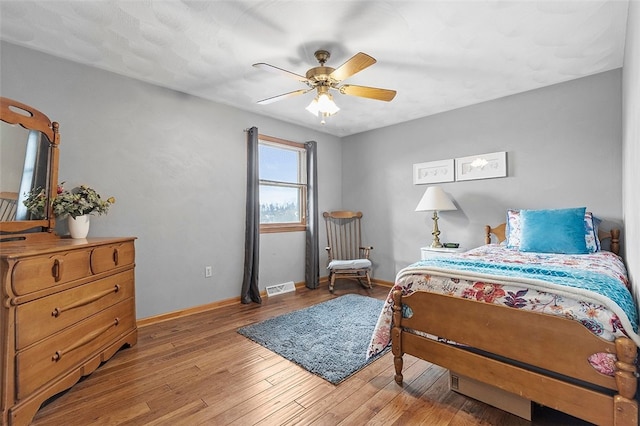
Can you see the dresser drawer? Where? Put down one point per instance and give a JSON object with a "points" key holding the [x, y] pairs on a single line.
{"points": [[39, 273], [60, 310], [112, 256], [52, 357]]}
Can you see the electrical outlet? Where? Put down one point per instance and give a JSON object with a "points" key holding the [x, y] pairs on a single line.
{"points": [[208, 271]]}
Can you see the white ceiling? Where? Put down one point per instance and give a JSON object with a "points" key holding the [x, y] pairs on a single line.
{"points": [[438, 55]]}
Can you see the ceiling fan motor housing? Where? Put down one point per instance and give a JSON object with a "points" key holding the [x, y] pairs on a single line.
{"points": [[319, 75]]}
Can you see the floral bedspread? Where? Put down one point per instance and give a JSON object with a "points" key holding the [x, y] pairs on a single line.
{"points": [[590, 288]]}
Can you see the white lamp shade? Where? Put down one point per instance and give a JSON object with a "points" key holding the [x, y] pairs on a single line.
{"points": [[435, 199]]}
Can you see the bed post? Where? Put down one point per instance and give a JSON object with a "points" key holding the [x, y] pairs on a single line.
{"points": [[487, 234], [396, 335], [624, 404], [499, 231], [614, 235], [615, 241]]}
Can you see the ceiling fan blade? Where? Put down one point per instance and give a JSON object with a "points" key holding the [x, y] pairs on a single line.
{"points": [[368, 92], [277, 70], [283, 96], [357, 63]]}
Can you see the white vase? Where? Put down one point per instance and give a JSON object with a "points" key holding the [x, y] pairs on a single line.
{"points": [[79, 226]]}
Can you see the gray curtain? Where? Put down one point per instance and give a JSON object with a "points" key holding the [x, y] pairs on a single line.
{"points": [[250, 291], [312, 262]]}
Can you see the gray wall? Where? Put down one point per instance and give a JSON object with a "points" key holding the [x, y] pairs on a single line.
{"points": [[177, 167], [631, 144], [563, 146]]}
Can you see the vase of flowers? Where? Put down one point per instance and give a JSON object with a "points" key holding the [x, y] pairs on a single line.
{"points": [[77, 205]]}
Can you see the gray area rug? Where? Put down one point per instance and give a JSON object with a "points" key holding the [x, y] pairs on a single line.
{"points": [[329, 339]]}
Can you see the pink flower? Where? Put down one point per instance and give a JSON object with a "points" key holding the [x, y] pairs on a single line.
{"points": [[604, 363], [488, 292]]}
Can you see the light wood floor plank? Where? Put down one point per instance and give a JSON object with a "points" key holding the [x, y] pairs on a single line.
{"points": [[379, 392], [176, 416], [404, 402]]}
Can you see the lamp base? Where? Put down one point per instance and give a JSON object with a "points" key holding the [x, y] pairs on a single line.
{"points": [[436, 232]]}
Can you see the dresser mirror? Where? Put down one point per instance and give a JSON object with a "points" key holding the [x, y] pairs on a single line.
{"points": [[28, 165]]}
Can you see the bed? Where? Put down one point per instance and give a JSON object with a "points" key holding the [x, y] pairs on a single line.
{"points": [[559, 329]]}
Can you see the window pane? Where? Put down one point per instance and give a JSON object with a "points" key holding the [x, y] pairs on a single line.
{"points": [[278, 164], [279, 204]]}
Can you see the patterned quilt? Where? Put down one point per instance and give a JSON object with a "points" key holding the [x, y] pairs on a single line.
{"points": [[590, 288]]}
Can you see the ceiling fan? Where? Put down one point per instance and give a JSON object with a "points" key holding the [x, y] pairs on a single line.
{"points": [[323, 78]]}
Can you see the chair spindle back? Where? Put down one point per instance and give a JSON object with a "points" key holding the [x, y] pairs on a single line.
{"points": [[344, 234]]}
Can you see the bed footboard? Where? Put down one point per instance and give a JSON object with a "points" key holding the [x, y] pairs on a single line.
{"points": [[559, 377]]}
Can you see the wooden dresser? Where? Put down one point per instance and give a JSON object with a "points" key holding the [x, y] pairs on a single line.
{"points": [[67, 306]]}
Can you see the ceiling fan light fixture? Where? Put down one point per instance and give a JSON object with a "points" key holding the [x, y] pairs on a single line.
{"points": [[323, 104], [326, 104]]}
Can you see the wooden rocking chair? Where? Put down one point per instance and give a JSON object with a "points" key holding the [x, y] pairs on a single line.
{"points": [[348, 258]]}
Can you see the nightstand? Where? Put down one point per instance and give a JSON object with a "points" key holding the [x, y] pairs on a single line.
{"points": [[430, 252]]}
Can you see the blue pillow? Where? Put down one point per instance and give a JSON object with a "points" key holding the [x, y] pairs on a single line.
{"points": [[553, 231]]}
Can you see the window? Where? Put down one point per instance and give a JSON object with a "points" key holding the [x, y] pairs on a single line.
{"points": [[283, 185]]}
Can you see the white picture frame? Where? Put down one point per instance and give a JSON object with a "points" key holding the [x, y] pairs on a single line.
{"points": [[481, 166], [433, 172]]}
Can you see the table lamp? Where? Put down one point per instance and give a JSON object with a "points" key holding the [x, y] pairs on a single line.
{"points": [[435, 199]]}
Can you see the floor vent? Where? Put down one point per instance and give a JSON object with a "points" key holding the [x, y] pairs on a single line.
{"points": [[287, 287]]}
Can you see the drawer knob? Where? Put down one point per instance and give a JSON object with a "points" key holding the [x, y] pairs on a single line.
{"points": [[115, 256], [57, 311], [86, 339]]}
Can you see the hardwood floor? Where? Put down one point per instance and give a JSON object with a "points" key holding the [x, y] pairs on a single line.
{"points": [[199, 370]]}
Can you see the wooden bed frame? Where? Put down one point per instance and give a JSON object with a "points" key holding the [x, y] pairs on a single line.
{"points": [[551, 369]]}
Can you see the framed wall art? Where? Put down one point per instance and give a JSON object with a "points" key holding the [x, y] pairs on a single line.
{"points": [[433, 172], [482, 166]]}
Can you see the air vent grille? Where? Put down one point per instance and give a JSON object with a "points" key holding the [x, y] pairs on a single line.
{"points": [[274, 290]]}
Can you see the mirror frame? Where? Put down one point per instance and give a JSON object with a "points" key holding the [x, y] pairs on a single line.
{"points": [[14, 112]]}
